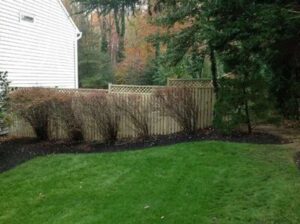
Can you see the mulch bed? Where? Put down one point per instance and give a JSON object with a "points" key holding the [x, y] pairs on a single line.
{"points": [[16, 151]]}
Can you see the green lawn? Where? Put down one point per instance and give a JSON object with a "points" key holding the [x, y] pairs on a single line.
{"points": [[197, 183]]}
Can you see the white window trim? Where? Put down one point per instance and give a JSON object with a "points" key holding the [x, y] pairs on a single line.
{"points": [[22, 14]]}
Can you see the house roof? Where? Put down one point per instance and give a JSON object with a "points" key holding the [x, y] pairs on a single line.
{"points": [[68, 15]]}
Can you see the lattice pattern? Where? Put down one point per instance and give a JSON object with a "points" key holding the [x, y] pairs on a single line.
{"points": [[192, 83], [67, 91], [80, 91], [132, 89]]}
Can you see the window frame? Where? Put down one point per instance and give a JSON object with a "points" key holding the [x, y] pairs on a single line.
{"points": [[23, 14]]}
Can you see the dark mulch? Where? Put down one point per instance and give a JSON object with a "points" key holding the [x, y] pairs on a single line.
{"points": [[16, 151]]}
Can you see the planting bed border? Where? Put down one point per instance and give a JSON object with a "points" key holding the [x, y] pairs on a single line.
{"points": [[17, 151]]}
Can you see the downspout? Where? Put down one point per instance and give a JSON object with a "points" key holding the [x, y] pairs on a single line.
{"points": [[78, 37]]}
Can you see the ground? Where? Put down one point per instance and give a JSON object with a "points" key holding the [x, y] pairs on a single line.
{"points": [[14, 152], [291, 134], [199, 182]]}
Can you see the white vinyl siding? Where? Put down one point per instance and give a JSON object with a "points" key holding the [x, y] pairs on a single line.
{"points": [[40, 53]]}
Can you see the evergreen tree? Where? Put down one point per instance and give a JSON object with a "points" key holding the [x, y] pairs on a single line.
{"points": [[249, 37], [95, 68]]}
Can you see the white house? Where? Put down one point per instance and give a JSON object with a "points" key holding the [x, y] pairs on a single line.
{"points": [[38, 44]]}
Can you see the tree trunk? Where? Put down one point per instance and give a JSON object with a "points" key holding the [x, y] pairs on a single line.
{"points": [[157, 50], [121, 51], [103, 28], [247, 112], [214, 72], [119, 16], [248, 118]]}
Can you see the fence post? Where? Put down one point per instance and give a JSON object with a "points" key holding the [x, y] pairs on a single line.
{"points": [[109, 87]]}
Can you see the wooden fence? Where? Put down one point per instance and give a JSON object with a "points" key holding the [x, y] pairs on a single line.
{"points": [[3, 128], [137, 89], [191, 83], [160, 123]]}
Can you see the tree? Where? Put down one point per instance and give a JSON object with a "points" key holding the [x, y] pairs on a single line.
{"points": [[139, 52], [270, 32], [248, 38], [186, 45], [244, 97], [119, 9], [95, 67]]}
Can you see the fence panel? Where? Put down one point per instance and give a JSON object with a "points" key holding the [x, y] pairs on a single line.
{"points": [[142, 89], [191, 83], [159, 122]]}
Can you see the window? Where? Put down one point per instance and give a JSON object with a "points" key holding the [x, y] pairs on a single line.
{"points": [[26, 18]]}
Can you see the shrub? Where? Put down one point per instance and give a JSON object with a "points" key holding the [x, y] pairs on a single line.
{"points": [[4, 84], [34, 105], [103, 110], [62, 109], [243, 102], [138, 109], [179, 103]]}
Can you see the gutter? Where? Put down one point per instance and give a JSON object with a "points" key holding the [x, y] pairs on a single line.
{"points": [[79, 35]]}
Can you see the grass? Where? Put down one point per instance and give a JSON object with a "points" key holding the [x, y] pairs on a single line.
{"points": [[208, 182]]}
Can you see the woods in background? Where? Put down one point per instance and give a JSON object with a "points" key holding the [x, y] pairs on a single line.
{"points": [[250, 49], [122, 46]]}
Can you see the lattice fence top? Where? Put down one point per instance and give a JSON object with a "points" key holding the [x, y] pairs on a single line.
{"points": [[139, 89], [132, 89], [192, 83], [81, 90], [67, 91]]}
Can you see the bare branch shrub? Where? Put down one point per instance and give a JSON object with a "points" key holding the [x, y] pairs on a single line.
{"points": [[34, 105], [63, 110], [180, 104], [103, 110], [138, 109]]}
